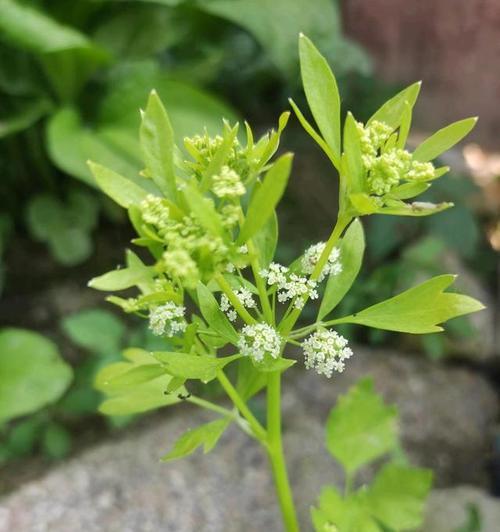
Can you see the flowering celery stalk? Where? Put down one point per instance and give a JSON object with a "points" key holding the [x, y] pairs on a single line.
{"points": [[206, 213]]}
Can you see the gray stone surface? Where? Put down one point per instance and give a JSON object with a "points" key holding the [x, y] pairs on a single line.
{"points": [[447, 510], [119, 486]]}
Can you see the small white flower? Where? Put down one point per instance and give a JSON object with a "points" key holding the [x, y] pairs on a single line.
{"points": [[259, 340], [276, 274], [245, 297], [243, 249], [298, 288], [326, 351], [167, 320], [312, 255]]}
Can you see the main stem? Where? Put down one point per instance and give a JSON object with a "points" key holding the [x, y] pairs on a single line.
{"points": [[276, 455]]}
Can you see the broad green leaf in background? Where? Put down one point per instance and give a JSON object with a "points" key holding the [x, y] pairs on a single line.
{"points": [[277, 31], [206, 435], [395, 110], [157, 143], [418, 310], [322, 93], [443, 139], [267, 196], [111, 138], [214, 316], [32, 373], [361, 428], [188, 366], [97, 330], [352, 247], [30, 113], [397, 496], [117, 187]]}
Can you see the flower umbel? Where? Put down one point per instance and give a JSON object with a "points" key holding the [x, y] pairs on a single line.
{"points": [[326, 351], [333, 265], [245, 297], [259, 340], [167, 320]]}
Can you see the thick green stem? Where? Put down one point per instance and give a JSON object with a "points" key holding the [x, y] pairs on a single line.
{"points": [[276, 455]]}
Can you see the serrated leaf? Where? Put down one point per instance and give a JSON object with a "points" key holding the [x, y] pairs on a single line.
{"points": [[207, 436], [352, 248], [187, 366], [157, 145], [118, 188], [397, 496], [394, 110], [361, 428], [418, 310], [214, 316], [267, 196], [443, 139], [320, 87]]}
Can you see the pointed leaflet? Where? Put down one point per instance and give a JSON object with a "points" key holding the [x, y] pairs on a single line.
{"points": [[354, 168], [157, 144], [266, 240], [266, 197], [352, 248], [394, 111], [361, 428], [203, 210], [418, 310], [397, 496], [214, 316], [443, 139], [187, 366], [207, 435], [322, 93], [117, 187]]}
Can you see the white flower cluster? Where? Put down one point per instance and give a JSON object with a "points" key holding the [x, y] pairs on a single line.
{"points": [[326, 351], [227, 183], [311, 257], [290, 285], [167, 320], [259, 340], [245, 297]]}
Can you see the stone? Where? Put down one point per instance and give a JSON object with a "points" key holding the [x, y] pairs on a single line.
{"points": [[120, 485], [448, 509]]}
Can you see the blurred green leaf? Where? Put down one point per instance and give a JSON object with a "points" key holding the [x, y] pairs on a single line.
{"points": [[97, 330], [361, 428], [56, 441], [32, 373]]}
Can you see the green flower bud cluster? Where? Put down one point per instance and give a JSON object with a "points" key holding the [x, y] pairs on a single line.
{"points": [[388, 166], [227, 184]]}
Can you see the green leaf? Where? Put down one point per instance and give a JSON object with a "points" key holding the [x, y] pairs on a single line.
{"points": [[266, 197], [187, 366], [121, 279], [274, 364], [207, 436], [250, 379], [117, 187], [443, 139], [418, 310], [203, 210], [322, 93], [56, 441], [97, 330], [363, 203], [352, 248], [361, 428], [136, 375], [395, 110], [266, 241], [157, 143], [409, 190], [355, 169], [404, 127], [417, 208], [397, 496], [214, 316], [32, 373]]}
